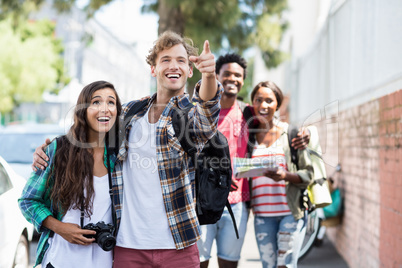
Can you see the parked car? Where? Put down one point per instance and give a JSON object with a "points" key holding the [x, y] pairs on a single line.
{"points": [[18, 142], [16, 232]]}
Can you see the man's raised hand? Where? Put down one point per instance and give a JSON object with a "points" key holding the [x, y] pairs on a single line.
{"points": [[205, 63]]}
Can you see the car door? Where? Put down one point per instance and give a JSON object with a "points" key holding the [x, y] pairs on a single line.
{"points": [[12, 223]]}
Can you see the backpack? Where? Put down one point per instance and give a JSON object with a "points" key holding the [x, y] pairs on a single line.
{"points": [[317, 194], [213, 170]]}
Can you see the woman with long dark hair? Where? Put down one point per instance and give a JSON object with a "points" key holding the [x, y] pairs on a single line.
{"points": [[63, 199], [278, 217]]}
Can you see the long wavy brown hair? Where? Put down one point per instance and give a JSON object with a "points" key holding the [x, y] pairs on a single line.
{"points": [[73, 160]]}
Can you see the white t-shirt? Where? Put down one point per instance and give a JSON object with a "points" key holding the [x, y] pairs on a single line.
{"points": [[64, 254], [144, 223]]}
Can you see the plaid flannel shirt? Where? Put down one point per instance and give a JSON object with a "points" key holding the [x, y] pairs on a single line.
{"points": [[36, 205], [176, 172]]}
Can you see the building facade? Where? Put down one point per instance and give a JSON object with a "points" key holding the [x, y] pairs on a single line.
{"points": [[345, 76]]}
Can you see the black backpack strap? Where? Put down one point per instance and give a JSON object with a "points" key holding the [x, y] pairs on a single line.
{"points": [[292, 133], [247, 112], [229, 207], [180, 120], [138, 106], [181, 126], [133, 110]]}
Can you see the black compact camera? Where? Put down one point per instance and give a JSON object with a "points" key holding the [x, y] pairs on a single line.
{"points": [[104, 235]]}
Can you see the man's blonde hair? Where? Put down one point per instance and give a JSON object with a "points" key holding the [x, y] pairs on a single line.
{"points": [[167, 40]]}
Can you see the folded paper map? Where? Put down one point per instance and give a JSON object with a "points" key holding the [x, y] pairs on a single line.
{"points": [[252, 167]]}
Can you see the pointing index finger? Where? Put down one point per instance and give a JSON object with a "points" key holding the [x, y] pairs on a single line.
{"points": [[206, 47]]}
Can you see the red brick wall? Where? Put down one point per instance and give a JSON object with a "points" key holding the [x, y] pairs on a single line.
{"points": [[390, 152], [367, 141]]}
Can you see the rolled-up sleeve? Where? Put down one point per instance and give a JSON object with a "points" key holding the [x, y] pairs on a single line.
{"points": [[206, 115]]}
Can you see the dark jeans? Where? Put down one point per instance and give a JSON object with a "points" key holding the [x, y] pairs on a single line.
{"points": [[49, 265]]}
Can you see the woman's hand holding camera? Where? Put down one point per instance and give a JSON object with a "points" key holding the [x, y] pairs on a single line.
{"points": [[69, 231]]}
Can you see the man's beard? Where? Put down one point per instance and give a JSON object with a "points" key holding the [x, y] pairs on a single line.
{"points": [[230, 94]]}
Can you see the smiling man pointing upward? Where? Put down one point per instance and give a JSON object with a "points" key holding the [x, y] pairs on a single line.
{"points": [[156, 215]]}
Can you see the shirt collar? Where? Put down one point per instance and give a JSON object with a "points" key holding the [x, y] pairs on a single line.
{"points": [[181, 101]]}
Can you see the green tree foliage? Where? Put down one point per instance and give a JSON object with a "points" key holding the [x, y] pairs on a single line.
{"points": [[30, 62], [229, 25], [233, 25]]}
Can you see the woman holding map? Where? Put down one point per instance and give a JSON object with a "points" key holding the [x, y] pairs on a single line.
{"points": [[278, 217]]}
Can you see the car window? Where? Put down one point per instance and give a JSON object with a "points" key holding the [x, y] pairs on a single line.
{"points": [[5, 183], [19, 148]]}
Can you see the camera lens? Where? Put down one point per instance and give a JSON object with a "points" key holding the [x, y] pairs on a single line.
{"points": [[106, 241]]}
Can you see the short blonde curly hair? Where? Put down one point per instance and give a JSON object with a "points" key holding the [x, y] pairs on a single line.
{"points": [[167, 40]]}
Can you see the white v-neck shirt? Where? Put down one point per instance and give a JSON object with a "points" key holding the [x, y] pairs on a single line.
{"points": [[144, 223], [64, 254]]}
